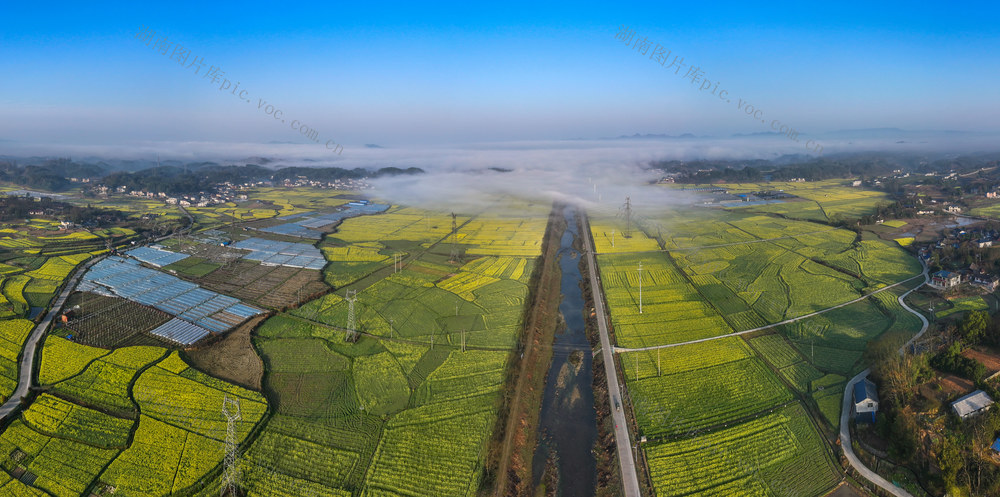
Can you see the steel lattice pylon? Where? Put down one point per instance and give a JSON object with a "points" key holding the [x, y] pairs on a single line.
{"points": [[352, 332], [231, 471]]}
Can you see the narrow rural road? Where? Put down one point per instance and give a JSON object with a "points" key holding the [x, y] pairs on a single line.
{"points": [[27, 365], [630, 480], [845, 443], [845, 412]]}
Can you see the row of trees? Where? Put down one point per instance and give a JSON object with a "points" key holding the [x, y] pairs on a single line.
{"points": [[14, 208], [175, 180]]}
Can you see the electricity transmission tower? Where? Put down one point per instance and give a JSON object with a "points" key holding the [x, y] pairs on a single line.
{"points": [[626, 210], [231, 471], [352, 332], [454, 238]]}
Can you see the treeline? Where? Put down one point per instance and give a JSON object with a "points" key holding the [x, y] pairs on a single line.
{"points": [[49, 174], [20, 208], [335, 173], [891, 210], [762, 170], [193, 178], [174, 180], [859, 165]]}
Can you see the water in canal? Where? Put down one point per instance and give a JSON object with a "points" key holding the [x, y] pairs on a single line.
{"points": [[567, 427]]}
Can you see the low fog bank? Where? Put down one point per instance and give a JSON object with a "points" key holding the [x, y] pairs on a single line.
{"points": [[596, 174]]}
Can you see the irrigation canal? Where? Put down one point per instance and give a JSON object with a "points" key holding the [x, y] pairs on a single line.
{"points": [[567, 427]]}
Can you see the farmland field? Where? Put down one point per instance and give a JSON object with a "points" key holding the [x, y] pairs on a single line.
{"points": [[13, 333], [776, 454], [404, 410], [266, 285], [727, 416], [673, 310], [405, 400], [81, 430], [963, 304], [112, 321], [823, 200]]}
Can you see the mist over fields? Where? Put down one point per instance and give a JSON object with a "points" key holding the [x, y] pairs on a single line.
{"points": [[467, 175]]}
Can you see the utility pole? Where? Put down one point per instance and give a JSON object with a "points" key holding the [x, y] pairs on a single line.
{"points": [[640, 287], [658, 373]]}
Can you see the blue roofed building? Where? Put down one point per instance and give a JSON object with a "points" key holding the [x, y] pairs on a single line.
{"points": [[996, 445], [865, 401]]}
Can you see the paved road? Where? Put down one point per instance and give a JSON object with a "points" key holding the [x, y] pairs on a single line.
{"points": [[629, 478], [845, 412], [787, 321], [27, 366]]}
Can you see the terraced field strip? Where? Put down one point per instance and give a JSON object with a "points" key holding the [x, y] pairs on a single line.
{"points": [[26, 373], [721, 245], [787, 321], [393, 338]]}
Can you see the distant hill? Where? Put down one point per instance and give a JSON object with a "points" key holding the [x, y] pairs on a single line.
{"points": [[648, 136]]}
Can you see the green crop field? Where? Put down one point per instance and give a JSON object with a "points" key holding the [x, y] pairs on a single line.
{"points": [[404, 410], [726, 416], [13, 333], [672, 309], [822, 200], [85, 428], [407, 401], [776, 454], [705, 397], [963, 304]]}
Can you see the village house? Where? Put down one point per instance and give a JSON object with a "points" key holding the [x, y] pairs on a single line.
{"points": [[972, 404], [988, 282], [943, 280], [865, 401]]}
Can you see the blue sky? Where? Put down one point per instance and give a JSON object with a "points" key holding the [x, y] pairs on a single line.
{"points": [[402, 73]]}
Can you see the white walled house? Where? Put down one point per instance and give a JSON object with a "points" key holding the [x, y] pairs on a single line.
{"points": [[865, 401]]}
